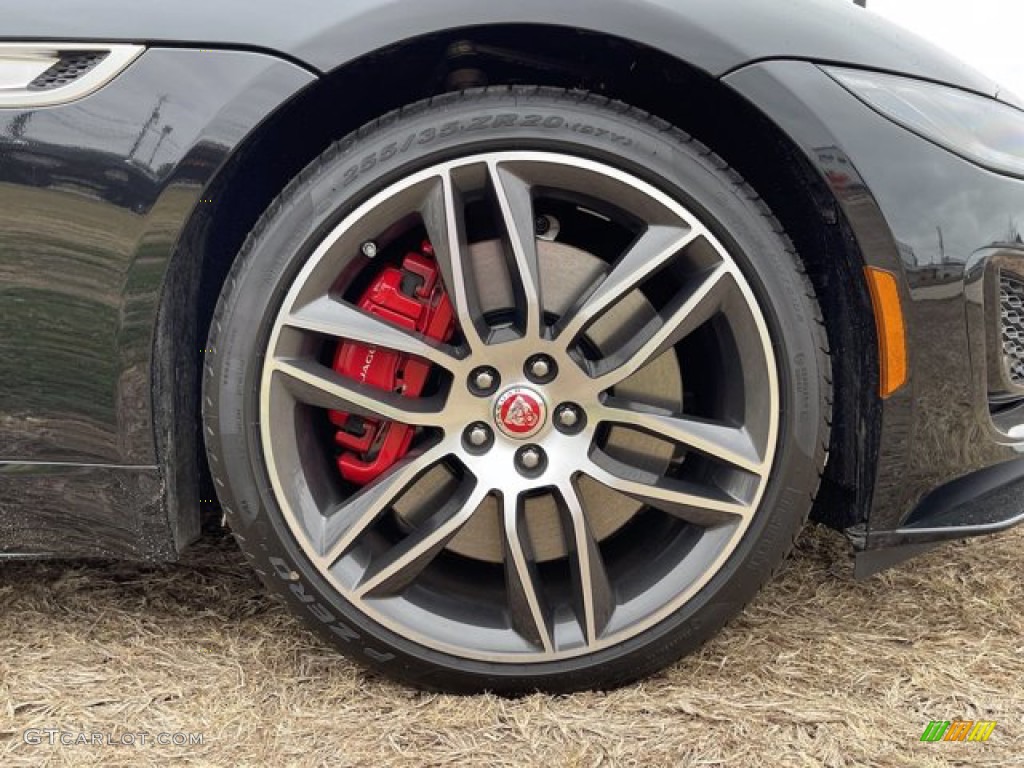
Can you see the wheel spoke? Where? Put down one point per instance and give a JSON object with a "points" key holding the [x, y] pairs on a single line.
{"points": [[658, 245], [319, 386], [515, 203], [732, 445], [339, 319], [444, 217], [702, 505], [526, 604], [403, 563], [345, 525], [595, 600], [688, 313]]}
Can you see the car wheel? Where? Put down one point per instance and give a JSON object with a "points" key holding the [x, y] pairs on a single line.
{"points": [[517, 389]]}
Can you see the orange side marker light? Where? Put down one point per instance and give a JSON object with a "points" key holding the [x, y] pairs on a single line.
{"points": [[892, 336]]}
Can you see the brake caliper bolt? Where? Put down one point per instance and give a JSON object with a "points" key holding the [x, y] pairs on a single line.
{"points": [[541, 369], [546, 227], [530, 460], [568, 418], [370, 249], [479, 436], [483, 381]]}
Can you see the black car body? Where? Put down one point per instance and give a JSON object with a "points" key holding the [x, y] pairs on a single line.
{"points": [[121, 212]]}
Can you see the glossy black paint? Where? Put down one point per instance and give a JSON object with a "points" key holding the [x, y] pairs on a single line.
{"points": [[716, 36], [101, 236], [94, 196], [68, 510], [922, 213]]}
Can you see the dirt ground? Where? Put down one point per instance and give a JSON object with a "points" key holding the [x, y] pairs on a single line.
{"points": [[820, 670]]}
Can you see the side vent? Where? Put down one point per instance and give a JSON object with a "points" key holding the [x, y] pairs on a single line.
{"points": [[68, 69], [47, 74]]}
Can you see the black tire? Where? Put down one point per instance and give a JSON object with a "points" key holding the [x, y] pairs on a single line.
{"points": [[452, 125]]}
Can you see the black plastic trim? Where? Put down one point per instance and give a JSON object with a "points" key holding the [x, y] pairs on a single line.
{"points": [[984, 502]]}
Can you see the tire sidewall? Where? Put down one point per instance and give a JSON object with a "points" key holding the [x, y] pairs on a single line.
{"points": [[367, 162]]}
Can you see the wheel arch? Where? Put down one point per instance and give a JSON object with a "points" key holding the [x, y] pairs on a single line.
{"points": [[340, 103]]}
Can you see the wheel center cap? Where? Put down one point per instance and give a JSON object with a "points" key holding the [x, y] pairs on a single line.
{"points": [[520, 412]]}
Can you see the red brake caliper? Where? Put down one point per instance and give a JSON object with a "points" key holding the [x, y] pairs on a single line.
{"points": [[412, 297]]}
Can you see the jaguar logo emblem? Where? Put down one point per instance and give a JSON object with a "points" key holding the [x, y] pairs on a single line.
{"points": [[520, 412]]}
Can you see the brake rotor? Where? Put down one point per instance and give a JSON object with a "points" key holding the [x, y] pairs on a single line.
{"points": [[565, 273]]}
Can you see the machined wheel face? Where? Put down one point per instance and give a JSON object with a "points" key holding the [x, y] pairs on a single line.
{"points": [[593, 442]]}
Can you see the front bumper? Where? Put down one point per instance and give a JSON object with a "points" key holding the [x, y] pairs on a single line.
{"points": [[949, 456], [987, 501]]}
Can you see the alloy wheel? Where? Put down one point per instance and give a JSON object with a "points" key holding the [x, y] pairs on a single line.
{"points": [[592, 443]]}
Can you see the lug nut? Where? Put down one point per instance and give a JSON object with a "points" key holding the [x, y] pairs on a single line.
{"points": [[370, 249], [530, 459], [483, 381], [478, 436], [541, 369], [569, 418]]}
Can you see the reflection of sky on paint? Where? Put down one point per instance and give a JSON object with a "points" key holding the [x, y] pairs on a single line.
{"points": [[98, 130], [938, 206], [987, 34], [133, 117], [100, 127], [972, 213], [970, 216]]}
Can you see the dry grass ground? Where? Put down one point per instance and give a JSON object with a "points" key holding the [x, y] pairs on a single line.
{"points": [[819, 671]]}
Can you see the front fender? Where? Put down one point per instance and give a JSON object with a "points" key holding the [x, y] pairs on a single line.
{"points": [[716, 36], [94, 195]]}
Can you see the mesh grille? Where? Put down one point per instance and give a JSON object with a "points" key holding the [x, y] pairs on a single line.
{"points": [[67, 70], [1011, 302]]}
